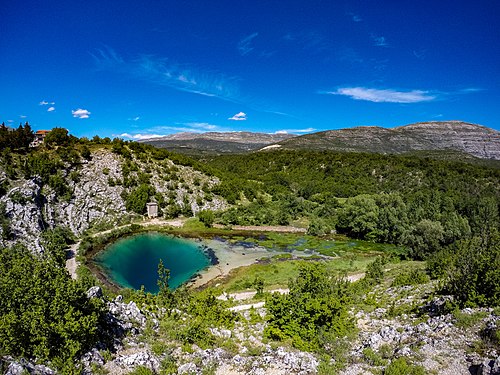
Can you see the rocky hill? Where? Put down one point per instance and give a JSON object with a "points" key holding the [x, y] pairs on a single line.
{"points": [[98, 190], [216, 142], [475, 140]]}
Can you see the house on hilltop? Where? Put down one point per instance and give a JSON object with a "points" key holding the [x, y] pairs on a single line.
{"points": [[39, 137]]}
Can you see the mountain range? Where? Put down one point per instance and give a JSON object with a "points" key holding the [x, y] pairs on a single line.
{"points": [[457, 136]]}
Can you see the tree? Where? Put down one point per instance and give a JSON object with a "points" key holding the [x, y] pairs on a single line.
{"points": [[86, 153], [44, 314], [206, 217], [315, 305], [473, 276], [137, 199], [425, 238], [164, 292], [57, 137], [359, 217]]}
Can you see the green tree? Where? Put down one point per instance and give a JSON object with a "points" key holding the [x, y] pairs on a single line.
{"points": [[315, 305], [425, 238], [359, 217], [207, 217], [57, 137], [473, 276], [136, 200], [43, 313]]}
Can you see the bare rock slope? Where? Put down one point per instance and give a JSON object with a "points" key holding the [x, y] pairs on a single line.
{"points": [[476, 140]]}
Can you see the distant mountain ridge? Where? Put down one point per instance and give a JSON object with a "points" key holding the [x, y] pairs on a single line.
{"points": [[216, 142], [476, 140], [452, 136]]}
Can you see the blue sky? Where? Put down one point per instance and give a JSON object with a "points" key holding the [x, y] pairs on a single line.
{"points": [[141, 68]]}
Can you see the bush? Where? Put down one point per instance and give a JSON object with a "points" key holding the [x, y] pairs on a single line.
{"points": [[206, 217], [315, 305], [474, 274], [375, 271], [414, 277], [401, 367]]}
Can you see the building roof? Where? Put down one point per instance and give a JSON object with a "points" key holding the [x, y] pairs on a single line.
{"points": [[42, 132]]}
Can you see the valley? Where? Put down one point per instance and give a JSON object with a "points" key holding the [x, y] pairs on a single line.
{"points": [[327, 261]]}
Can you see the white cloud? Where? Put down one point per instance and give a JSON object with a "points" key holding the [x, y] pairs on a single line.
{"points": [[384, 96], [294, 131], [141, 136], [241, 116], [202, 125], [244, 44], [22, 116], [51, 109], [379, 41], [44, 102], [80, 113], [10, 120], [136, 118]]}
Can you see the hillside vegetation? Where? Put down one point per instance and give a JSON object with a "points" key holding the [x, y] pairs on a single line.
{"points": [[426, 303]]}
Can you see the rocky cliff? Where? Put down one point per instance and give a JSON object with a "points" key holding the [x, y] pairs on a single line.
{"points": [[476, 140], [97, 196]]}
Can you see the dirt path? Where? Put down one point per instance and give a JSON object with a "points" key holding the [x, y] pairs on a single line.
{"points": [[265, 228], [242, 296], [71, 263]]}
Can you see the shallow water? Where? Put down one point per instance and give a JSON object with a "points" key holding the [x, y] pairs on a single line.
{"points": [[133, 261]]}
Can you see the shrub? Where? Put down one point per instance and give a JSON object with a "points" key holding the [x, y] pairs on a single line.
{"points": [[316, 303], [206, 217], [414, 277], [400, 366]]}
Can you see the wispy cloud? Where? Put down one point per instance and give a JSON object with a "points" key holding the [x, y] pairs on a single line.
{"points": [[312, 41], [384, 96], [136, 118], [379, 40], [202, 126], [80, 113], [22, 116], [51, 109], [163, 130], [164, 72], [141, 136], [44, 102], [241, 116], [295, 131], [420, 54], [244, 45], [470, 90], [354, 17]]}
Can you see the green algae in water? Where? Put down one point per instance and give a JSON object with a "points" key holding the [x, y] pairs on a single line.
{"points": [[133, 261]]}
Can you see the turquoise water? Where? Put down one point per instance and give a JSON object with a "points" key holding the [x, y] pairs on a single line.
{"points": [[133, 261]]}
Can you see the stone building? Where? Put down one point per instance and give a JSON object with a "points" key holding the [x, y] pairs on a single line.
{"points": [[152, 209]]}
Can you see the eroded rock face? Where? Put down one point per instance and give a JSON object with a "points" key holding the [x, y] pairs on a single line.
{"points": [[476, 140], [23, 208], [96, 200]]}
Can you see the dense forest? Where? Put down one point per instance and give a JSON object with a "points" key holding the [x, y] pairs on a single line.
{"points": [[422, 203]]}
